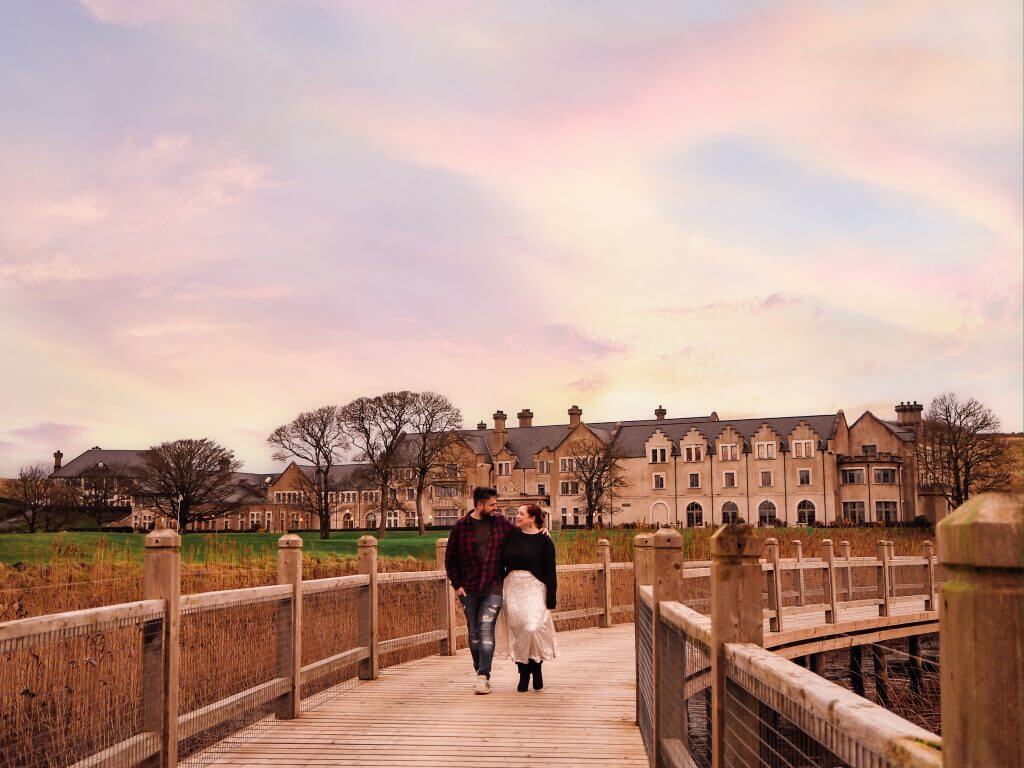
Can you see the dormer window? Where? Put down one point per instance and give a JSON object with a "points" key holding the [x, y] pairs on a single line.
{"points": [[543, 467], [803, 449], [765, 450], [504, 468], [659, 455], [693, 453], [728, 451]]}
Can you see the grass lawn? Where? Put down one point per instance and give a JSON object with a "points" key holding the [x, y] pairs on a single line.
{"points": [[203, 547]]}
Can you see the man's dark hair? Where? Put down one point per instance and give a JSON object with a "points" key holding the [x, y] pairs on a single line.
{"points": [[481, 494]]}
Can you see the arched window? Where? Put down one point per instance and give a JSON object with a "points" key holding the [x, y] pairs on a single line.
{"points": [[766, 513], [371, 520], [805, 512], [730, 513], [346, 519], [694, 515]]}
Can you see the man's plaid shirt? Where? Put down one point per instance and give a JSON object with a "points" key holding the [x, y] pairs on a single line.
{"points": [[460, 559]]}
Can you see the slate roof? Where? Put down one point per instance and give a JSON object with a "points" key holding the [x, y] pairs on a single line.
{"points": [[88, 460], [906, 434], [826, 425], [345, 476]]}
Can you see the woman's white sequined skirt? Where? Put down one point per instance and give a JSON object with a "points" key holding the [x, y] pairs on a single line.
{"points": [[525, 629]]}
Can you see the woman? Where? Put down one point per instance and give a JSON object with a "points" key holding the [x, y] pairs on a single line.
{"points": [[528, 595]]}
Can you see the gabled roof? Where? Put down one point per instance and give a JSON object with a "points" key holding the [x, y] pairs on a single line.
{"points": [[524, 442], [88, 460], [343, 476]]}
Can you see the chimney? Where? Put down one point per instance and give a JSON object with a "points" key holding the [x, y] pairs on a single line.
{"points": [[57, 458], [481, 425], [499, 436], [908, 413], [574, 416], [525, 417], [660, 413]]}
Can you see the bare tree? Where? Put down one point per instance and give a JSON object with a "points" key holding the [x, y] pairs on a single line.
{"points": [[376, 426], [959, 453], [102, 493], [433, 448], [189, 480], [318, 438], [599, 470], [32, 492]]}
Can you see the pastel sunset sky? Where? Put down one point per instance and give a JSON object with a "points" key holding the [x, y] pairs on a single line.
{"points": [[216, 213]]}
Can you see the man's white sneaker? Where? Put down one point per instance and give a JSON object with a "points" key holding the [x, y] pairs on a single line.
{"points": [[483, 685]]}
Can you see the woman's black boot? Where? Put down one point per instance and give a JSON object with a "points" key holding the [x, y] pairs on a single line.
{"points": [[538, 681], [524, 677]]}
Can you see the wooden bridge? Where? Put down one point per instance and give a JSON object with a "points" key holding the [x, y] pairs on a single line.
{"points": [[365, 669]]}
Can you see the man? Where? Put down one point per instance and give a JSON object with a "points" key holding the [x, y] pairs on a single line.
{"points": [[473, 563]]}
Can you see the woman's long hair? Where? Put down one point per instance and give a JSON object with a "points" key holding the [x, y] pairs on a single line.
{"points": [[536, 513]]}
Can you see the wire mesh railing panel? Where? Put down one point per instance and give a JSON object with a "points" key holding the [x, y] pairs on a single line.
{"points": [[684, 693], [330, 627], [645, 673], [578, 590], [227, 651], [66, 695], [622, 595], [695, 591], [907, 580], [409, 609]]}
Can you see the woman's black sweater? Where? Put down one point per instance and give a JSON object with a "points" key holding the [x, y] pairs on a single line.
{"points": [[533, 552]]}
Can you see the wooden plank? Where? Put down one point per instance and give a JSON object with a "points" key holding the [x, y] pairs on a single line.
{"points": [[335, 582], [123, 754], [408, 577], [575, 567], [318, 669], [582, 613], [79, 620], [225, 598], [410, 641], [201, 719]]}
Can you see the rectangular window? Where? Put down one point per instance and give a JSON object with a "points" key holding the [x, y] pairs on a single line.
{"points": [[803, 477], [575, 515], [504, 468], [852, 476], [885, 511], [277, 497], [693, 453], [544, 467], [803, 449], [886, 476], [853, 511], [869, 450], [566, 464], [658, 455], [727, 451], [570, 488], [658, 481], [694, 480], [410, 494], [728, 479], [766, 479], [565, 516], [764, 450], [542, 490]]}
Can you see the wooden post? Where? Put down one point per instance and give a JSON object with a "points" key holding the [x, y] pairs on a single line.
{"points": [[798, 553], [981, 618], [161, 580], [669, 656], [643, 568], [892, 565], [604, 584], [771, 556], [368, 607], [883, 577], [829, 559], [844, 552], [914, 662], [880, 672], [289, 625], [446, 604], [736, 617], [816, 663], [929, 576], [857, 669]]}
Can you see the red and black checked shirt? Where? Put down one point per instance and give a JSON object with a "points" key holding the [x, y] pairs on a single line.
{"points": [[461, 561]]}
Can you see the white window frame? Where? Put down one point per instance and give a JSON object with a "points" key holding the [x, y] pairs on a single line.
{"points": [[689, 480], [879, 517], [693, 453], [504, 469], [802, 449], [844, 470], [728, 452], [876, 470], [659, 456], [566, 488], [810, 476], [771, 478], [567, 463], [654, 481], [765, 448], [725, 483]]}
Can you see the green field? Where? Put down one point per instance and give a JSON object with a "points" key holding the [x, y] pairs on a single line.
{"points": [[201, 547]]}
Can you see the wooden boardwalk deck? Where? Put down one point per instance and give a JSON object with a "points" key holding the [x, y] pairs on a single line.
{"points": [[426, 714]]}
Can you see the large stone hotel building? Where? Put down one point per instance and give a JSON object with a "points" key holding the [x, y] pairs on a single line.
{"points": [[691, 471]]}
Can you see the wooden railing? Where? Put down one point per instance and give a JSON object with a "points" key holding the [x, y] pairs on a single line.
{"points": [[711, 692], [347, 634]]}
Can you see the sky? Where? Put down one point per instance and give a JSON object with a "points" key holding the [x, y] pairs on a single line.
{"points": [[215, 214]]}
